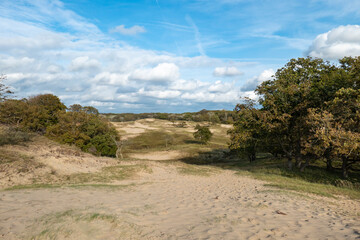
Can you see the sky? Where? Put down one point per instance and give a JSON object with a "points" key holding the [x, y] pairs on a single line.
{"points": [[165, 55]]}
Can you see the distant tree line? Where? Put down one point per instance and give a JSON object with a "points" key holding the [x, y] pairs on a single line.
{"points": [[217, 116], [310, 110], [46, 114]]}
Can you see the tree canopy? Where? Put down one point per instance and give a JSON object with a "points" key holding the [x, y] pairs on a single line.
{"points": [[309, 110], [46, 114]]}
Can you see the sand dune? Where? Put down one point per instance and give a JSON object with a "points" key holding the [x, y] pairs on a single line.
{"points": [[170, 200], [157, 155], [223, 206]]}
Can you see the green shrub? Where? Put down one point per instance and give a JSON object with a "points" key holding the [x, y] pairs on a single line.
{"points": [[81, 126], [9, 135], [202, 134], [90, 132]]}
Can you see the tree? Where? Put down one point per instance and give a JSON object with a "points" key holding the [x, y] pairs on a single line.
{"points": [[203, 134], [43, 111], [13, 112], [4, 90], [286, 98], [248, 135], [75, 108], [336, 131]]}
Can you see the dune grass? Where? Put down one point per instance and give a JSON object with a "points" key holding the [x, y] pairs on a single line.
{"points": [[156, 140], [197, 170], [102, 179], [315, 179]]}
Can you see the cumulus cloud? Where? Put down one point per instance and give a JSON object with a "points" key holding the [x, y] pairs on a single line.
{"points": [[220, 87], [226, 72], [204, 96], [337, 43], [187, 85], [162, 94], [252, 83], [164, 72], [109, 78], [82, 65], [129, 31]]}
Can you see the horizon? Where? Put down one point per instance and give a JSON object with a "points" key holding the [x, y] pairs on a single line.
{"points": [[171, 57]]}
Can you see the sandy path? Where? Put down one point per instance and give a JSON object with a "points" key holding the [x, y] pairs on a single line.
{"points": [[173, 206], [158, 155]]}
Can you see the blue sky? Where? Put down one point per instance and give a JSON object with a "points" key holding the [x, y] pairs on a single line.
{"points": [[165, 56]]}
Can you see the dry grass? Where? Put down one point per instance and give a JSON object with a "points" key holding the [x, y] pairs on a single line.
{"points": [[82, 224]]}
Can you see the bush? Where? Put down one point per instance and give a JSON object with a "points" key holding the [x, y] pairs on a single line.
{"points": [[81, 126], [202, 134], [9, 135], [13, 112], [34, 114], [89, 132]]}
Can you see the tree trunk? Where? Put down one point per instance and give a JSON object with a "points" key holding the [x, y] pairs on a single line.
{"points": [[252, 157], [303, 166], [327, 156], [298, 161], [345, 169], [289, 163], [329, 166]]}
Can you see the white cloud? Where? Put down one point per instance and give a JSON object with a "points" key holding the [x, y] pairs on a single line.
{"points": [[252, 83], [221, 87], [162, 94], [204, 96], [84, 63], [101, 104], [111, 78], [93, 69], [226, 72], [54, 69], [99, 93], [131, 105], [129, 31], [187, 85], [337, 43], [164, 72]]}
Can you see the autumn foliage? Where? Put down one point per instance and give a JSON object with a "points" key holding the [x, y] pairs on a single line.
{"points": [[310, 110], [46, 114]]}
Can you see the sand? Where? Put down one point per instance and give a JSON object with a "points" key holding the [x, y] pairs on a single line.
{"points": [[133, 129], [42, 159], [167, 202], [158, 155], [174, 206]]}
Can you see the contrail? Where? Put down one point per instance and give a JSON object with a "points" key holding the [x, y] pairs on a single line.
{"points": [[197, 35]]}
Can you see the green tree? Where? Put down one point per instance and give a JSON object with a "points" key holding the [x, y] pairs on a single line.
{"points": [[248, 134], [13, 112], [203, 134], [336, 131], [286, 98], [42, 112]]}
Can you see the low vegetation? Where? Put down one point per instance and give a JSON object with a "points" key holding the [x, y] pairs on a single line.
{"points": [[11, 135], [202, 134], [156, 140], [303, 134], [219, 116], [46, 114]]}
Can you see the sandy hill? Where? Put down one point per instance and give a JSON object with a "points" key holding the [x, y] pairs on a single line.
{"points": [[59, 192]]}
